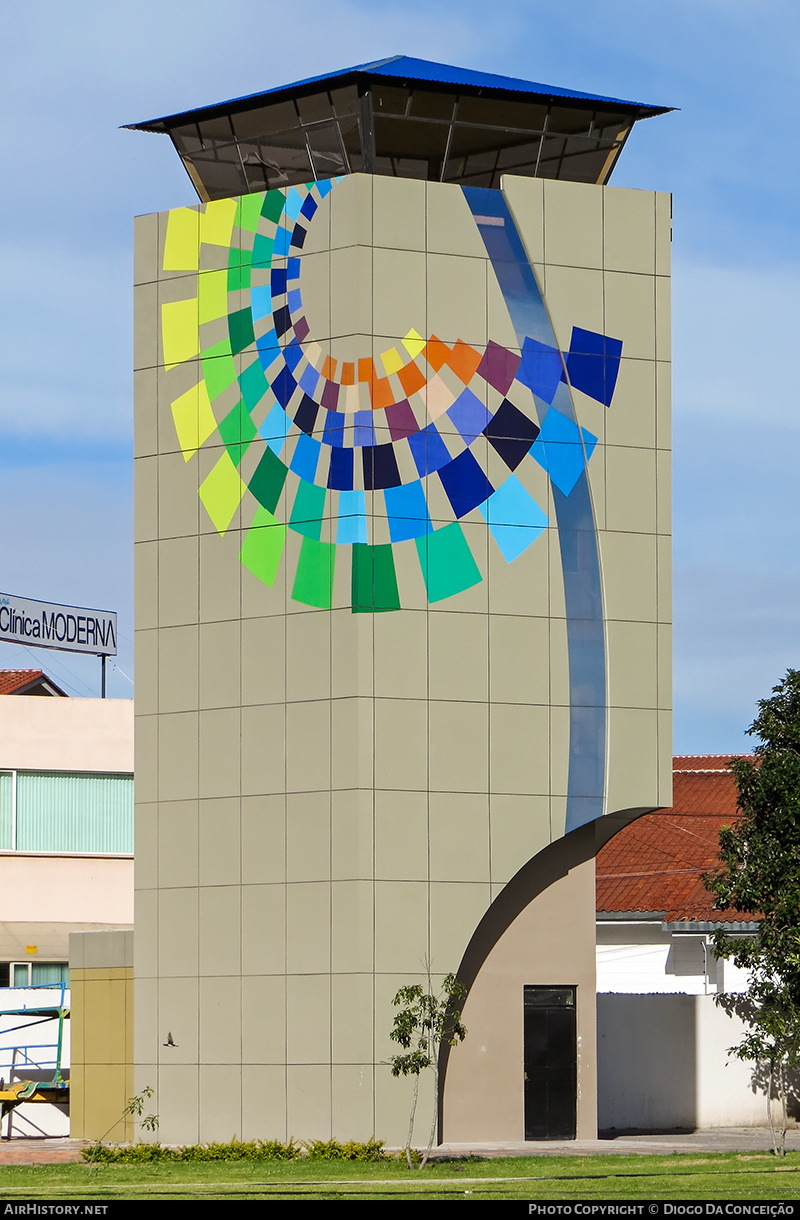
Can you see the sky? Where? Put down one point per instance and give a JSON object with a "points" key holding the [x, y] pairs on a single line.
{"points": [[74, 71]]}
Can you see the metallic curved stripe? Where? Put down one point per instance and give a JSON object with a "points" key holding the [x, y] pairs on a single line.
{"points": [[575, 519]]}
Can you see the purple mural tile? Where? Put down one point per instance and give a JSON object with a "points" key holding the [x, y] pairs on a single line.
{"points": [[498, 366], [330, 395], [401, 420]]}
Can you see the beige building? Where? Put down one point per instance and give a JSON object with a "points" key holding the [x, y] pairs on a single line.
{"points": [[402, 595]]}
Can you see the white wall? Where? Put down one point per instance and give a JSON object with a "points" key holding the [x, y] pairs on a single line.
{"points": [[663, 1063], [53, 734]]}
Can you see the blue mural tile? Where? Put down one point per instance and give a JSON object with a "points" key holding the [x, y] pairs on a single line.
{"points": [[340, 474], [299, 237], [541, 369], [293, 269], [306, 414], [428, 450], [352, 523], [284, 386], [514, 518], [295, 300], [593, 364], [305, 458], [465, 484], [260, 302], [380, 467], [309, 380], [469, 415], [562, 449], [309, 207], [407, 512], [283, 320], [293, 354], [275, 429], [277, 281], [268, 349], [334, 429], [363, 428], [510, 433]]}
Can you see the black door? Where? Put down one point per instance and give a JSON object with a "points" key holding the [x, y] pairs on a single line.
{"points": [[550, 1059]]}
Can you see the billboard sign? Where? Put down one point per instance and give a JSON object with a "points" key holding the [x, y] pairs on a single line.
{"points": [[50, 625]]}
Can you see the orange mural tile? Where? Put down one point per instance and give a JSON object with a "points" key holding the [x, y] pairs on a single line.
{"points": [[348, 372], [411, 379], [329, 368], [366, 371], [464, 361], [436, 353], [381, 393]]}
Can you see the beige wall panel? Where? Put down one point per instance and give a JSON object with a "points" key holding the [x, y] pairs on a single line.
{"points": [[308, 836], [179, 844], [459, 746], [308, 924], [398, 213], [573, 225], [458, 836], [352, 1107], [526, 199], [178, 671], [220, 1101], [633, 663], [264, 1103], [220, 920], [401, 836], [629, 576], [352, 933], [401, 925], [634, 785], [629, 231]]}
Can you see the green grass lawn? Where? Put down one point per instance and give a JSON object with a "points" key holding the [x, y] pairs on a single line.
{"points": [[724, 1176]]}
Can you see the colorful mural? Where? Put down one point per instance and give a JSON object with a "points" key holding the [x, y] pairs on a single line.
{"points": [[346, 429]]}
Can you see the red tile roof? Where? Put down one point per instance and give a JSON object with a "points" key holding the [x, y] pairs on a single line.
{"points": [[656, 863], [27, 682]]}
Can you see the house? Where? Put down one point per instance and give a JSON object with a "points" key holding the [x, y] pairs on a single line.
{"points": [[66, 857], [663, 1036]]}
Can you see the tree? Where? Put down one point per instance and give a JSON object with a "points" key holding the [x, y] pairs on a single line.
{"points": [[424, 1024], [759, 876]]}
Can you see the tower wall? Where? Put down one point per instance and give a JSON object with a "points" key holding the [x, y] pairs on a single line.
{"points": [[402, 624]]}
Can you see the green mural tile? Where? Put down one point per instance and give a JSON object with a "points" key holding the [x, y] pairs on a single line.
{"points": [[237, 431], [307, 510], [212, 296], [262, 250], [266, 482], [248, 211], [313, 582], [374, 580], [240, 325], [263, 546], [254, 384], [221, 493], [219, 370], [273, 205], [447, 564]]}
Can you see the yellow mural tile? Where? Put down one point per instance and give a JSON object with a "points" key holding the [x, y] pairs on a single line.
{"points": [[182, 243], [194, 419], [212, 295], [413, 343], [392, 361], [216, 223], [221, 492], [179, 331]]}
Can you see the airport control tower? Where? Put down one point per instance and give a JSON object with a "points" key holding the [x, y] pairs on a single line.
{"points": [[402, 595]]}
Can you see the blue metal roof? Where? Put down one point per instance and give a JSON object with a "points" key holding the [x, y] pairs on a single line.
{"points": [[406, 68]]}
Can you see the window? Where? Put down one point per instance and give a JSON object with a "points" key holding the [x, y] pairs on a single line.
{"points": [[62, 812]]}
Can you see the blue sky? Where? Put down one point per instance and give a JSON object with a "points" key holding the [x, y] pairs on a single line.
{"points": [[74, 72]]}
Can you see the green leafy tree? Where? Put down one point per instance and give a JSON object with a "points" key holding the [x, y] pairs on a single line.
{"points": [[425, 1022], [759, 876]]}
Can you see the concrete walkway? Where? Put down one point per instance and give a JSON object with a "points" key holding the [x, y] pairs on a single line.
{"points": [[715, 1139], [721, 1139]]}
